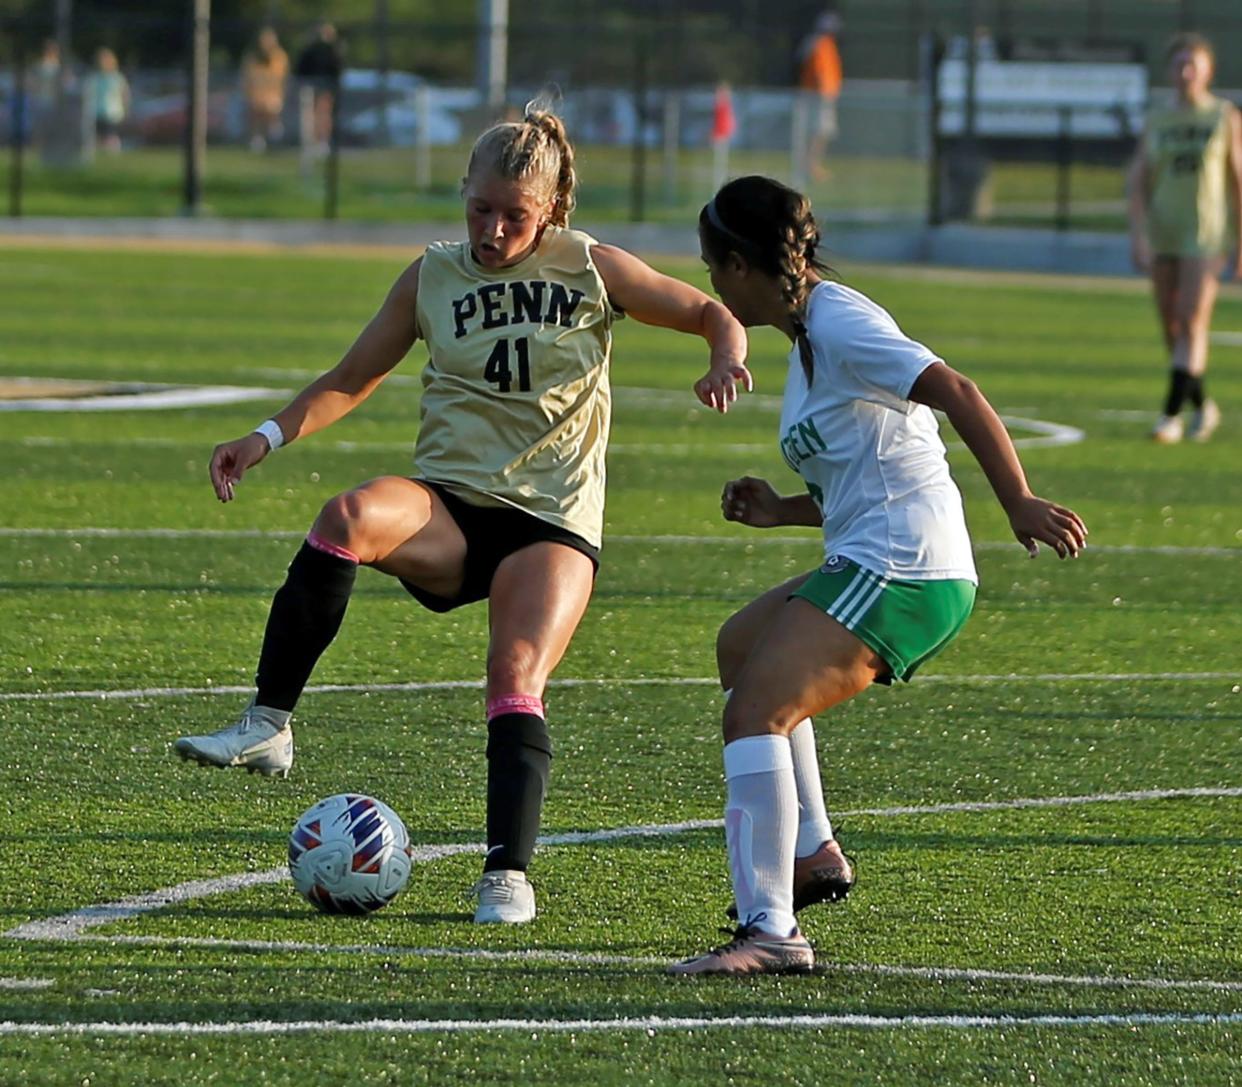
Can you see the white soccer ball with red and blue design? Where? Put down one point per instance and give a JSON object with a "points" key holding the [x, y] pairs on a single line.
{"points": [[349, 854]]}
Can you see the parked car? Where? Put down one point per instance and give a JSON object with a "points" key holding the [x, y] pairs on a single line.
{"points": [[162, 119], [377, 104]]}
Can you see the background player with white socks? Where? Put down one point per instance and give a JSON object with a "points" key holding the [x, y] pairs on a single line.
{"points": [[898, 580]]}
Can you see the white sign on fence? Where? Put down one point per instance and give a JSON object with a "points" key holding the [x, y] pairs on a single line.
{"points": [[1029, 98]]}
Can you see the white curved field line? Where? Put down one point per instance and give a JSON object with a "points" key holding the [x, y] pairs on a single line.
{"points": [[809, 538], [195, 396], [104, 694], [1048, 434], [74, 927], [648, 1023], [644, 962]]}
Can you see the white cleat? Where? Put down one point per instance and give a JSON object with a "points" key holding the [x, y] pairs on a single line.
{"points": [[261, 741], [1168, 430], [505, 898], [1204, 422]]}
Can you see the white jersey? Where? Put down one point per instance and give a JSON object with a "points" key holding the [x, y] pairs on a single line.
{"points": [[871, 457]]}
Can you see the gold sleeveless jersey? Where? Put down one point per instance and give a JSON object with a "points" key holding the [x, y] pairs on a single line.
{"points": [[516, 402], [1187, 155]]}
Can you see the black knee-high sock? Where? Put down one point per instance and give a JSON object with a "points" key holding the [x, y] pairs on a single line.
{"points": [[519, 753], [1194, 391], [306, 614], [1179, 386]]}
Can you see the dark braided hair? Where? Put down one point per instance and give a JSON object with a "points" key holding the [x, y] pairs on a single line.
{"points": [[772, 227]]}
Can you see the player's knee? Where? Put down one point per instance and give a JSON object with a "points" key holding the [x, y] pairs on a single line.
{"points": [[518, 667], [743, 718], [731, 649], [341, 519]]}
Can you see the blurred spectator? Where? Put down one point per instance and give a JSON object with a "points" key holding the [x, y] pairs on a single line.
{"points": [[107, 99], [45, 77], [45, 89], [319, 69], [819, 80], [265, 71]]}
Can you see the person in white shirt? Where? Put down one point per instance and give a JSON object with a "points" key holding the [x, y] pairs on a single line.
{"points": [[898, 578]]}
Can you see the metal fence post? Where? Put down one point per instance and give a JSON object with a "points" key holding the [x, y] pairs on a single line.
{"points": [[672, 144], [799, 135], [17, 135], [935, 202], [422, 137], [1065, 158], [332, 167], [196, 105], [638, 171]]}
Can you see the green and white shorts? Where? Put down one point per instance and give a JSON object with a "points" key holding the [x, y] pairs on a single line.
{"points": [[905, 622]]}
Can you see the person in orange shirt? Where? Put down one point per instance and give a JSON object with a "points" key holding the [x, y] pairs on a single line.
{"points": [[819, 82]]}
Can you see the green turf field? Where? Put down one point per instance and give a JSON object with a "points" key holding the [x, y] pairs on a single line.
{"points": [[1047, 823]]}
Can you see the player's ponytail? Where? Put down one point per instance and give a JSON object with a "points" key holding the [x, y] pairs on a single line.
{"points": [[772, 227], [552, 128]]}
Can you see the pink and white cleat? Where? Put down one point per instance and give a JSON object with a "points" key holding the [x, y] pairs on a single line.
{"points": [[825, 876], [752, 951]]}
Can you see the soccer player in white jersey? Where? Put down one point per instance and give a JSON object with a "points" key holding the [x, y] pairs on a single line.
{"points": [[898, 577], [506, 501]]}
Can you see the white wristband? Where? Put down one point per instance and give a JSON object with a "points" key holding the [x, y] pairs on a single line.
{"points": [[270, 429]]}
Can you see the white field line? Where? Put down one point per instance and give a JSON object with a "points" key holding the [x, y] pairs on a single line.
{"points": [[407, 448], [657, 540], [1227, 339], [650, 1024], [591, 958], [810, 537], [1047, 434], [107, 695], [25, 984], [156, 400], [72, 925]]}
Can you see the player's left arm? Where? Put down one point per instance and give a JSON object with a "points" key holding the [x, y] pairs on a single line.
{"points": [[1031, 517], [656, 299], [1233, 164]]}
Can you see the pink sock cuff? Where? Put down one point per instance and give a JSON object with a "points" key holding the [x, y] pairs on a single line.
{"points": [[329, 548], [514, 703]]}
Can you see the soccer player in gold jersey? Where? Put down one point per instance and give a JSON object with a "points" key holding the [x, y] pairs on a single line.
{"points": [[1187, 171], [507, 496]]}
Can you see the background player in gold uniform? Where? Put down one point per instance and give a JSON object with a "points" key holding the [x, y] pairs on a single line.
{"points": [[1187, 171], [507, 499]]}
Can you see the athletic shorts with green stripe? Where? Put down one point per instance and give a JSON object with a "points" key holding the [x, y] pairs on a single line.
{"points": [[905, 622]]}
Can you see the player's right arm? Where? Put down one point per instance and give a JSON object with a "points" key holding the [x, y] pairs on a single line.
{"points": [[754, 502], [384, 342], [1138, 190]]}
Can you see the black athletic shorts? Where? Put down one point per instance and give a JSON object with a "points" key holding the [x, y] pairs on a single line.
{"points": [[493, 533]]}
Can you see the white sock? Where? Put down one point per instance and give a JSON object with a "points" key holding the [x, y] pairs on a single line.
{"points": [[761, 826], [814, 827]]}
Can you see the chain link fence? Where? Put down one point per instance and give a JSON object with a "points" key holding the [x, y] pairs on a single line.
{"points": [[640, 88]]}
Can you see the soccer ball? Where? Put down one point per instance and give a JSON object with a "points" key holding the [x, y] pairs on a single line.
{"points": [[349, 854]]}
